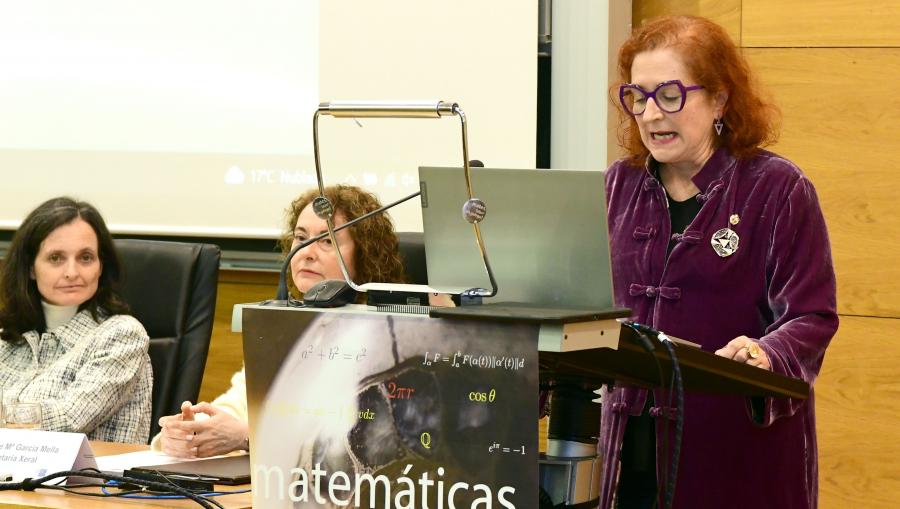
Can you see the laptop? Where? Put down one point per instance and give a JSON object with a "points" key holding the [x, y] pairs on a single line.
{"points": [[545, 234], [227, 470]]}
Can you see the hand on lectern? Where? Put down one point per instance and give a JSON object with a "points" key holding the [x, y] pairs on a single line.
{"points": [[746, 350]]}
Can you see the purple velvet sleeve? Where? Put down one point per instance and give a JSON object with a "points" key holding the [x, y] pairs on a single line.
{"points": [[801, 295]]}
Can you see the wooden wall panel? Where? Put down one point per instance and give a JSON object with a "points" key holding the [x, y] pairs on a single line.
{"points": [[857, 408], [724, 12], [820, 23], [226, 353], [841, 109]]}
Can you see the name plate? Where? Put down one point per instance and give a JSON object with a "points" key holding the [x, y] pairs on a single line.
{"points": [[28, 453]]}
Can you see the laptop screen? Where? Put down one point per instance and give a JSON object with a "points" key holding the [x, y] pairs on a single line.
{"points": [[545, 234]]}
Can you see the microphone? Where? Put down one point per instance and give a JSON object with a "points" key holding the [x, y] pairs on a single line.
{"points": [[282, 297], [474, 208]]}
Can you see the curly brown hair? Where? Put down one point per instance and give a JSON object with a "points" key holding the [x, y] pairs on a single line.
{"points": [[376, 256], [713, 61]]}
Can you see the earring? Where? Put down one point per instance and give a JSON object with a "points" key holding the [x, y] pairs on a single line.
{"points": [[718, 124]]}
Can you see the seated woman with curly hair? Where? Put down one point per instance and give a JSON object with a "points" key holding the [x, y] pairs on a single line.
{"points": [[369, 249]]}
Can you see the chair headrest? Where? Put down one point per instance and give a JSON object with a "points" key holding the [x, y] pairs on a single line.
{"points": [[157, 281]]}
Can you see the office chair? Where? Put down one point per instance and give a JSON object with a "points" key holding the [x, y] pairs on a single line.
{"points": [[171, 288], [412, 250]]}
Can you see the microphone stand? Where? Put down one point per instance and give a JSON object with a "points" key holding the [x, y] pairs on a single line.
{"points": [[282, 298], [474, 210]]}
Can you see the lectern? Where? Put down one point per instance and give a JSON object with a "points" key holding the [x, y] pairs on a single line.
{"points": [[352, 407]]}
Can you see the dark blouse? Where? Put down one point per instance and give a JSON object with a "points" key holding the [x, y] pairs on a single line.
{"points": [[637, 480], [681, 213]]}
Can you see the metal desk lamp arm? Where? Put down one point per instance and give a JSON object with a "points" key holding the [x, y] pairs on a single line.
{"points": [[408, 109]]}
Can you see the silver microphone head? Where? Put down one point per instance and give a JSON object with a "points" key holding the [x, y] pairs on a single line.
{"points": [[323, 208], [474, 210]]}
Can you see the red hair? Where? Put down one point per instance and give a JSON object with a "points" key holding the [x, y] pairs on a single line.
{"points": [[714, 61]]}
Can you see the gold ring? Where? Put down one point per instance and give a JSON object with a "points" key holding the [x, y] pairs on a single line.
{"points": [[753, 350]]}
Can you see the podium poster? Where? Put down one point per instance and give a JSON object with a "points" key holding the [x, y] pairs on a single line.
{"points": [[372, 410]]}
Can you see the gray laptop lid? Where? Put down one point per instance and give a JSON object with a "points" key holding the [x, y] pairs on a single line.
{"points": [[545, 233]]}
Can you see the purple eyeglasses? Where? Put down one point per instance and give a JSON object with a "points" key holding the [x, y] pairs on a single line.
{"points": [[669, 96]]}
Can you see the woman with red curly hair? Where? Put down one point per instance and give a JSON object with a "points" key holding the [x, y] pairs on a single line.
{"points": [[718, 241]]}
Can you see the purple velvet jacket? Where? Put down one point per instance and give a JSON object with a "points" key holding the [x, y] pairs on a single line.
{"points": [[778, 286]]}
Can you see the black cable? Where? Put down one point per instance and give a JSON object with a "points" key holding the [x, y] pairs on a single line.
{"points": [[73, 491], [111, 483], [679, 410], [30, 484], [679, 421], [165, 495], [647, 344]]}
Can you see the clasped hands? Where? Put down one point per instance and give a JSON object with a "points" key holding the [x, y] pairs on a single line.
{"points": [[186, 436]]}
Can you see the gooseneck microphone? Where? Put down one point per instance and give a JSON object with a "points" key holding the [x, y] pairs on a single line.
{"points": [[282, 297], [473, 210]]}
